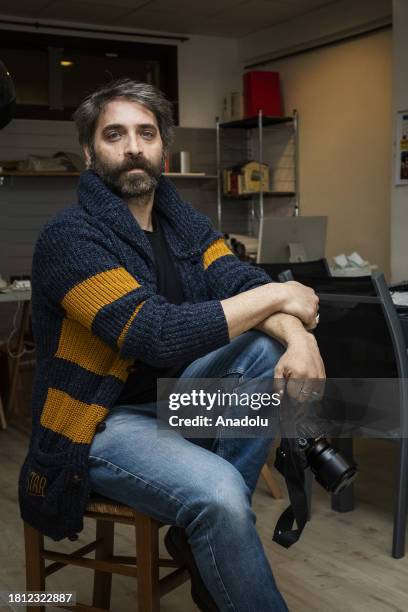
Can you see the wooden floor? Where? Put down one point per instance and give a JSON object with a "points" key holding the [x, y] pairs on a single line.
{"points": [[342, 563]]}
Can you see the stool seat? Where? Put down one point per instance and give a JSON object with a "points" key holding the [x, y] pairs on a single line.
{"points": [[104, 505]]}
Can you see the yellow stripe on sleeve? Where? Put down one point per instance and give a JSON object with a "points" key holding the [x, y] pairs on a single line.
{"points": [[87, 298], [216, 250], [125, 330], [80, 346], [70, 417]]}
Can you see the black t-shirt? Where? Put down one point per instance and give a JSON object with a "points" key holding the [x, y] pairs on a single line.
{"points": [[141, 384]]}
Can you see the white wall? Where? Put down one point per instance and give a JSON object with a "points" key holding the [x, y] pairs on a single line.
{"points": [[208, 69], [321, 25], [343, 95], [399, 194]]}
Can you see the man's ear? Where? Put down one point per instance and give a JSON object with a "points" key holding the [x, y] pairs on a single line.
{"points": [[87, 156]]}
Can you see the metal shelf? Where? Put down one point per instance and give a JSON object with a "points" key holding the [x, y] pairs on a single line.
{"points": [[10, 176], [256, 194], [16, 173], [252, 122], [188, 175]]}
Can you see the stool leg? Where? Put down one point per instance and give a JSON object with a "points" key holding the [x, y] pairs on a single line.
{"points": [[35, 564], [147, 553], [271, 483], [104, 550]]}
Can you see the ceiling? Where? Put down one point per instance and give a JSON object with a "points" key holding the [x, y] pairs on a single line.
{"points": [[229, 18]]}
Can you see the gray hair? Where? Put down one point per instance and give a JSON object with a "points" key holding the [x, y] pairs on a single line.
{"points": [[87, 114]]}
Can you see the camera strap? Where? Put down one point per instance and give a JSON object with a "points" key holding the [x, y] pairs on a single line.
{"points": [[290, 465]]}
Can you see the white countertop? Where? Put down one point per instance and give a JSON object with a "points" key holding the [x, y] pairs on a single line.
{"points": [[15, 296]]}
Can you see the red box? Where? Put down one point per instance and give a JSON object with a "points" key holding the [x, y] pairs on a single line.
{"points": [[262, 91]]}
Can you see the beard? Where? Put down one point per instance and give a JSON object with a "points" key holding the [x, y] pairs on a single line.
{"points": [[127, 185]]}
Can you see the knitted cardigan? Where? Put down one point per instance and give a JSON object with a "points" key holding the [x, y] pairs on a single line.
{"points": [[96, 310]]}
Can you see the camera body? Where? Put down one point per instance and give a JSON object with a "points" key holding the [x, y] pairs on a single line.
{"points": [[307, 447]]}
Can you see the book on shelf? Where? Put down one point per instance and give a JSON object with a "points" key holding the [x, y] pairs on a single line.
{"points": [[246, 179]]}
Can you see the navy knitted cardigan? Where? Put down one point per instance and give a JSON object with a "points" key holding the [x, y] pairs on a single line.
{"points": [[95, 311]]}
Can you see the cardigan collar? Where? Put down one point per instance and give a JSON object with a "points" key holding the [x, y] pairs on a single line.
{"points": [[187, 231]]}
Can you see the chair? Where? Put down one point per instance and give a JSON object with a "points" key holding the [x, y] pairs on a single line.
{"points": [[300, 270], [106, 513], [360, 336]]}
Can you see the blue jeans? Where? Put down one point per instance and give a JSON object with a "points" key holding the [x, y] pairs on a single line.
{"points": [[204, 485]]}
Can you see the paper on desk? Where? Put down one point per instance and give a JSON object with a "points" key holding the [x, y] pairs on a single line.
{"points": [[356, 260], [341, 261], [400, 298]]}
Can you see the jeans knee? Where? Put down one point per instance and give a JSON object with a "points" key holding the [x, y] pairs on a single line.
{"points": [[230, 509], [225, 501]]}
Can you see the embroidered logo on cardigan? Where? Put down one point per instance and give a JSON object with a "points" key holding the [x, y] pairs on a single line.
{"points": [[36, 484]]}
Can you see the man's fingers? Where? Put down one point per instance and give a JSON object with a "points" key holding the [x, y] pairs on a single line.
{"points": [[318, 388], [294, 388], [313, 320], [311, 326], [306, 390], [279, 383]]}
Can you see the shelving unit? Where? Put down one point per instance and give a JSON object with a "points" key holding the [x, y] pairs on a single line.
{"points": [[202, 176], [258, 123], [16, 173], [190, 175], [266, 194]]}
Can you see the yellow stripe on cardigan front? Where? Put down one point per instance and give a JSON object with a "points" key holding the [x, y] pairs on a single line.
{"points": [[70, 417], [216, 250], [85, 300], [125, 330], [80, 346]]}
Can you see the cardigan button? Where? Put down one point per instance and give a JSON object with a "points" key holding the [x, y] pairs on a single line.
{"points": [[77, 479], [100, 426]]}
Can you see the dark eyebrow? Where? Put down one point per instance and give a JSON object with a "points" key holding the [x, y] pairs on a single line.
{"points": [[148, 125], [112, 126], [119, 126]]}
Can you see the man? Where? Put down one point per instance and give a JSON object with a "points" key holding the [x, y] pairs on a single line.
{"points": [[131, 285]]}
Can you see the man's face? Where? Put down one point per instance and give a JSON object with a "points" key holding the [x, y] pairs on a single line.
{"points": [[128, 149]]}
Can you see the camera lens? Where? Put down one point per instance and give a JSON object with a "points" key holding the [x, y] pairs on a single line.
{"points": [[345, 480], [331, 469]]}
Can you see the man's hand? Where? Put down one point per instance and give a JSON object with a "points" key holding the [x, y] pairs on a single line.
{"points": [[300, 369], [301, 302]]}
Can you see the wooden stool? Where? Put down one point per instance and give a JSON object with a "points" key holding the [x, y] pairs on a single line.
{"points": [[106, 512]]}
